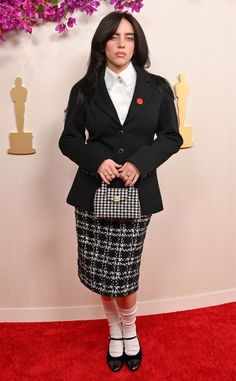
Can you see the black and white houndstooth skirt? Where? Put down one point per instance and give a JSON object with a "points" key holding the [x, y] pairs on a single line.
{"points": [[109, 252]]}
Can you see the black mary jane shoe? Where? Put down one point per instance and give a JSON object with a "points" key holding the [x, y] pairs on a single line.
{"points": [[115, 363], [133, 362]]}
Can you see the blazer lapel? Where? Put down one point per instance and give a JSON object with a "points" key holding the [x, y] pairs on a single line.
{"points": [[142, 93], [103, 100]]}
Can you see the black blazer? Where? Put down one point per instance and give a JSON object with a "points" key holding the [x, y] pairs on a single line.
{"points": [[148, 137]]}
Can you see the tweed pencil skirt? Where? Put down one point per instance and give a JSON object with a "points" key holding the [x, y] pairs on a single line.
{"points": [[109, 252]]}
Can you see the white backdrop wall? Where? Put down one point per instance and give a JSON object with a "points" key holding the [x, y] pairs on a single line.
{"points": [[189, 253]]}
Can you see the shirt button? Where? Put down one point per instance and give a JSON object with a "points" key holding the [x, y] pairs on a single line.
{"points": [[121, 150], [119, 79], [121, 132]]}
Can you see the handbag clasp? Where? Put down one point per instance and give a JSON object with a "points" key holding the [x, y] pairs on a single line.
{"points": [[116, 198]]}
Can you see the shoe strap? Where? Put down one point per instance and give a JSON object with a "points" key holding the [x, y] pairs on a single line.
{"points": [[130, 338], [113, 338]]}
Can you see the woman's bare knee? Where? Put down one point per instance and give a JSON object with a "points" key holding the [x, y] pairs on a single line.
{"points": [[104, 297]]}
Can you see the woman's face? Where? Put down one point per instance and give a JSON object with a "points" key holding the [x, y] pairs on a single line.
{"points": [[120, 48]]}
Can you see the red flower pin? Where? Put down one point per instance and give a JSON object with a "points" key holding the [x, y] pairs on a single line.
{"points": [[139, 101]]}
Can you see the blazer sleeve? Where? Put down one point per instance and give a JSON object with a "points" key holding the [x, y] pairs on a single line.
{"points": [[72, 142], [168, 141]]}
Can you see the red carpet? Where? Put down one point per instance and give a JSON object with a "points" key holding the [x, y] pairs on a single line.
{"points": [[197, 345]]}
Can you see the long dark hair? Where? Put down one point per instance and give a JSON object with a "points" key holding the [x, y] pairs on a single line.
{"points": [[97, 60]]}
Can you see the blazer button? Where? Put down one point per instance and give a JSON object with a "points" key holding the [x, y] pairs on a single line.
{"points": [[121, 150], [121, 132]]}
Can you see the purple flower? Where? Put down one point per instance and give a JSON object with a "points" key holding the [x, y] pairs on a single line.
{"points": [[24, 14], [71, 22], [60, 28]]}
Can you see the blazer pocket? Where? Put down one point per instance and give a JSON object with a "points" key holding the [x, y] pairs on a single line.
{"points": [[88, 173]]}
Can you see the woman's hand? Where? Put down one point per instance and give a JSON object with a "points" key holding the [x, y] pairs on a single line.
{"points": [[129, 174], [108, 170]]}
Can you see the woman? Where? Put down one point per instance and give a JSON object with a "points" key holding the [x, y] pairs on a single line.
{"points": [[132, 128]]}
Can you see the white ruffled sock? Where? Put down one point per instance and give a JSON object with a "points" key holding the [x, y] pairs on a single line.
{"points": [[115, 330], [128, 318]]}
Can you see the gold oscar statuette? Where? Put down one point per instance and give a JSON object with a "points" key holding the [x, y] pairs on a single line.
{"points": [[20, 141], [181, 92]]}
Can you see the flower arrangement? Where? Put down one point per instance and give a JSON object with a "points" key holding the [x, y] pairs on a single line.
{"points": [[18, 15]]}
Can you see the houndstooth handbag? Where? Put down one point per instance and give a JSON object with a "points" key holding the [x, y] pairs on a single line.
{"points": [[116, 203]]}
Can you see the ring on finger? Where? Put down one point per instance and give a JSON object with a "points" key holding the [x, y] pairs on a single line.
{"points": [[127, 174]]}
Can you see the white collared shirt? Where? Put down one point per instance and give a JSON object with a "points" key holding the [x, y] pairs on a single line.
{"points": [[121, 89]]}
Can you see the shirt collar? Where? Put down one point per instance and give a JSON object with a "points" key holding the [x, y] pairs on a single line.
{"points": [[128, 75]]}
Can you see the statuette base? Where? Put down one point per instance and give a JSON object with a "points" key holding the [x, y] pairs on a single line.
{"points": [[21, 143]]}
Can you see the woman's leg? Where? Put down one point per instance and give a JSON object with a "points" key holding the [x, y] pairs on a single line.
{"points": [[127, 301], [127, 309], [115, 330], [121, 315]]}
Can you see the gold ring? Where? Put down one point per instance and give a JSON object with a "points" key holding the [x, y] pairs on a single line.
{"points": [[127, 174]]}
